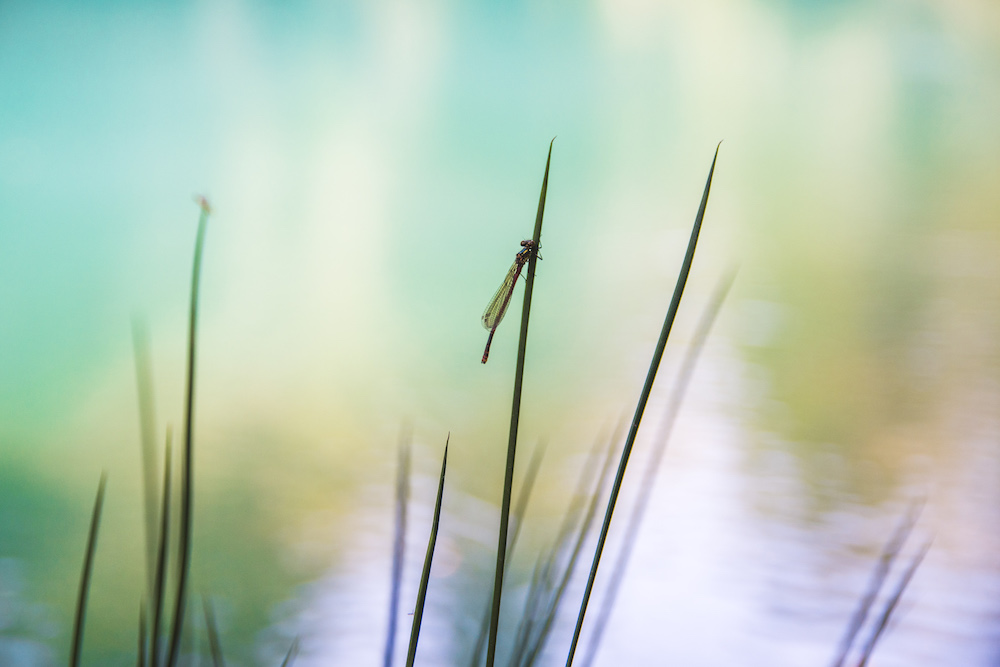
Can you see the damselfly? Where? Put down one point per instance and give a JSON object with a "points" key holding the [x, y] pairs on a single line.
{"points": [[498, 304]]}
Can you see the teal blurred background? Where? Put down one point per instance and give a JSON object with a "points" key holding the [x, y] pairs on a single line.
{"points": [[373, 167]]}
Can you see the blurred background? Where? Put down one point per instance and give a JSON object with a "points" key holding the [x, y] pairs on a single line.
{"points": [[373, 167]]}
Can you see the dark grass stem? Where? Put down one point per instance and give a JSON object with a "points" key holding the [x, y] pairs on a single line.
{"points": [[552, 608], [890, 605], [214, 644], [161, 556], [293, 651], [187, 470], [398, 542], [889, 553], [515, 414], [147, 432], [680, 387], [527, 484], [641, 406], [418, 610], [88, 567]]}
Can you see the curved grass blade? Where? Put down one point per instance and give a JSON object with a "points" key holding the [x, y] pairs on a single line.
{"points": [[418, 610], [527, 484], [890, 606], [515, 414], [161, 556], [88, 567], [879, 574], [187, 471], [653, 465], [293, 651], [641, 406], [399, 542], [215, 646]]}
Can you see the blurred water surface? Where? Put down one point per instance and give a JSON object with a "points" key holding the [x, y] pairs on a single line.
{"points": [[373, 167]]}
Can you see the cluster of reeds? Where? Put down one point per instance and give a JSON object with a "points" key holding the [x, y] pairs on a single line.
{"points": [[158, 644]]}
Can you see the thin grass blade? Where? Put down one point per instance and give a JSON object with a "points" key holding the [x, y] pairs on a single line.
{"points": [[533, 602], [147, 430], [890, 605], [293, 651], [556, 598], [641, 406], [515, 414], [705, 323], [140, 660], [418, 610], [187, 471], [214, 645], [88, 567], [399, 542], [161, 556], [889, 553]]}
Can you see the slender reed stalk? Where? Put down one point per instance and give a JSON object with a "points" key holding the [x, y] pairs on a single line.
{"points": [[890, 605], [88, 567], [641, 406], [889, 553], [653, 465], [187, 471], [161, 556], [515, 414], [214, 645], [418, 610], [399, 542]]}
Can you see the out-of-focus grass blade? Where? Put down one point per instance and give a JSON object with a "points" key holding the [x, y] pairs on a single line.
{"points": [[641, 406], [879, 574], [140, 660], [527, 484], [161, 556], [187, 465], [293, 651], [584, 490], [890, 605], [418, 610], [399, 542], [515, 413], [552, 608], [147, 431], [88, 567], [536, 590], [653, 465], [215, 646]]}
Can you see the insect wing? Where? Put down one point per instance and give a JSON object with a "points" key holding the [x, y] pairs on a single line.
{"points": [[498, 304]]}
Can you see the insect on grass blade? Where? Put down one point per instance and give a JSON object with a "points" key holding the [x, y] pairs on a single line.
{"points": [[497, 306]]}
